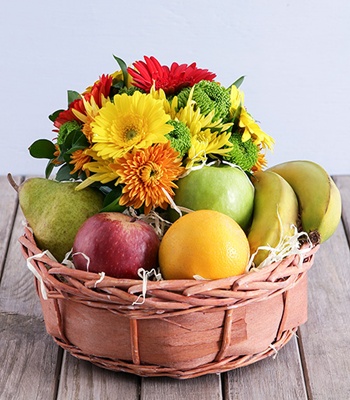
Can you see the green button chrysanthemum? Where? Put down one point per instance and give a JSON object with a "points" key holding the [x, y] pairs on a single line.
{"points": [[208, 96], [66, 129], [243, 154], [180, 137]]}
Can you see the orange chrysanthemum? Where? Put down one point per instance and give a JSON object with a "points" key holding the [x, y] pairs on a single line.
{"points": [[79, 158], [57, 154], [260, 164], [148, 175]]}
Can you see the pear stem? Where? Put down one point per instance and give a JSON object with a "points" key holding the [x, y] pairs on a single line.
{"points": [[12, 182]]}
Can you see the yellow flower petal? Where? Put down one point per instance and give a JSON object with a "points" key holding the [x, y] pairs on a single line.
{"points": [[136, 121]]}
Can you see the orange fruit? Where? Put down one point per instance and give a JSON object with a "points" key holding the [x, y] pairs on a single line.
{"points": [[206, 243]]}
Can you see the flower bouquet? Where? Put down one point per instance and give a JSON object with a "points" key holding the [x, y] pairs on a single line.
{"points": [[155, 119], [168, 182]]}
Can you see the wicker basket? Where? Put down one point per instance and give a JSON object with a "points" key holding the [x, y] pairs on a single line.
{"points": [[183, 329]]}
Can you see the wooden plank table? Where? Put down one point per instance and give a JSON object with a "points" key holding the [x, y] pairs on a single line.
{"points": [[315, 364]]}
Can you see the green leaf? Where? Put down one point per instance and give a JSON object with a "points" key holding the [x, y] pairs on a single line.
{"points": [[111, 201], [63, 173], [72, 95], [238, 82], [124, 69], [76, 140], [50, 166], [42, 148], [74, 148], [114, 206], [118, 85], [79, 140], [54, 115]]}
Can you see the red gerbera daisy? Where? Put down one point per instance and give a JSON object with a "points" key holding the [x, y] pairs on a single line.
{"points": [[68, 115], [100, 89], [171, 80]]}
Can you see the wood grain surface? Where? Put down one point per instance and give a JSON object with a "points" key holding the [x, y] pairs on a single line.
{"points": [[315, 364]]}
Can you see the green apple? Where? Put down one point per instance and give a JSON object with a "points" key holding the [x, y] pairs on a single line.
{"points": [[221, 188]]}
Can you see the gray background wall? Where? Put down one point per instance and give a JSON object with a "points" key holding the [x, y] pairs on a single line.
{"points": [[295, 56]]}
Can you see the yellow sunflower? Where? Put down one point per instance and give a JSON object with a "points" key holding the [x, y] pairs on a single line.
{"points": [[247, 122], [207, 136], [196, 122], [205, 143], [253, 130], [148, 176], [129, 122], [119, 76], [100, 168], [92, 110], [169, 106], [237, 99]]}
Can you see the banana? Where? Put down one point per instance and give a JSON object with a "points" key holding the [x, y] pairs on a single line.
{"points": [[275, 213], [318, 196]]}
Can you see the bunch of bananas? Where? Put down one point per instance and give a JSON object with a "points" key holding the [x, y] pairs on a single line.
{"points": [[292, 194]]}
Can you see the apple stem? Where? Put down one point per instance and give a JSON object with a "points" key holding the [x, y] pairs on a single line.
{"points": [[133, 219]]}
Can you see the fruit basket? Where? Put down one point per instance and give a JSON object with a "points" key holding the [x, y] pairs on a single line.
{"points": [[182, 328], [162, 176]]}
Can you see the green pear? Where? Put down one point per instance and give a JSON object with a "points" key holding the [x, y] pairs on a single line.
{"points": [[55, 211]]}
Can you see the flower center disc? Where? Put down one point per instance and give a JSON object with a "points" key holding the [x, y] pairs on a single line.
{"points": [[130, 134], [150, 173]]}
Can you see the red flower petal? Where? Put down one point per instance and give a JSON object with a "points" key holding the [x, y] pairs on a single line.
{"points": [[171, 80]]}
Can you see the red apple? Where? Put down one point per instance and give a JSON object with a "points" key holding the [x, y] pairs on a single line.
{"points": [[115, 244]]}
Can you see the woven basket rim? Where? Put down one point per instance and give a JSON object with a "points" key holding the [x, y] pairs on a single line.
{"points": [[59, 281]]}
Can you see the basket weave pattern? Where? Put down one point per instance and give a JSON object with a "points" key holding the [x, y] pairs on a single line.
{"points": [[182, 328]]}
